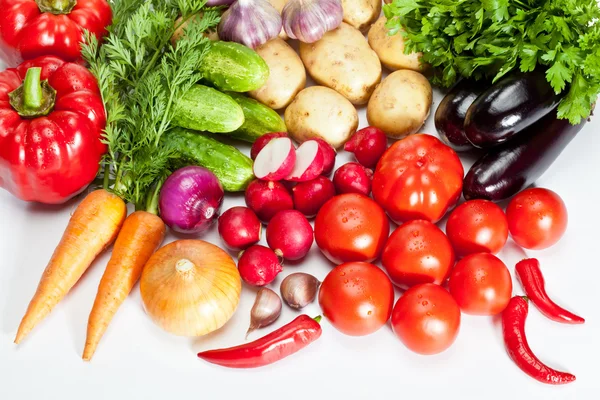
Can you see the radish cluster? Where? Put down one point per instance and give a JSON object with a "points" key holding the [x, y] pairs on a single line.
{"points": [[291, 186]]}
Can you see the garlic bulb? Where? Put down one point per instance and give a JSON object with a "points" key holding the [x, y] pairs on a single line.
{"points": [[250, 22], [309, 20]]}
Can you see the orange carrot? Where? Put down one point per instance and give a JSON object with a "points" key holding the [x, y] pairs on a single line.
{"points": [[92, 228], [141, 234]]}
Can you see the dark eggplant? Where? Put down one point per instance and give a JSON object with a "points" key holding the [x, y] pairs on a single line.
{"points": [[509, 106], [510, 168], [450, 114]]}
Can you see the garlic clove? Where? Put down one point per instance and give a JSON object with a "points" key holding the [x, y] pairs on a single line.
{"points": [[309, 20], [250, 22], [299, 289], [265, 311]]}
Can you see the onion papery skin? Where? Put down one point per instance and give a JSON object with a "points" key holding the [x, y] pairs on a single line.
{"points": [[190, 287]]}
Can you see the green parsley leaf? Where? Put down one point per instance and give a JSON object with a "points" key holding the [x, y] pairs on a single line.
{"points": [[487, 39]]}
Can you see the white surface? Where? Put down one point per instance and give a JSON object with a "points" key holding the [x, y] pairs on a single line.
{"points": [[137, 360]]}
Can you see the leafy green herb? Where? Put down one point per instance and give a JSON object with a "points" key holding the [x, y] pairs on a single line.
{"points": [[490, 38], [142, 77]]}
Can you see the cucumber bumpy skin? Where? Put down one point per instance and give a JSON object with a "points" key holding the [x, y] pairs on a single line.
{"points": [[258, 120], [232, 167], [233, 67], [206, 109]]}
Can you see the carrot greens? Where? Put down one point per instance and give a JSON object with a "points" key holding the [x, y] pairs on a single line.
{"points": [[142, 77]]}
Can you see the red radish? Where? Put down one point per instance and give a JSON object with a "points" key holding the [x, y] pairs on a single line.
{"points": [[329, 154], [259, 265], [310, 196], [353, 178], [309, 162], [262, 142], [239, 228], [290, 235], [368, 145], [276, 160], [268, 198]]}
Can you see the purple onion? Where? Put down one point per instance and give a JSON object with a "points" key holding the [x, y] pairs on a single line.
{"points": [[190, 200]]}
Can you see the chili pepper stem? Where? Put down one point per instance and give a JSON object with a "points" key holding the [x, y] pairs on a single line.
{"points": [[32, 89], [318, 318]]}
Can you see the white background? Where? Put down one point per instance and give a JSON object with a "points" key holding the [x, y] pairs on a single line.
{"points": [[137, 360]]}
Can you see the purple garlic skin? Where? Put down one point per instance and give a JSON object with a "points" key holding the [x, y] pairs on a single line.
{"points": [[250, 22], [309, 20], [213, 3]]}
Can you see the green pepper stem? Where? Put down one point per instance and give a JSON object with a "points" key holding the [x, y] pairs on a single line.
{"points": [[34, 98], [56, 7], [32, 89]]}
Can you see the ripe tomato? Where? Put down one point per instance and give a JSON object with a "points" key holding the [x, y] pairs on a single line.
{"points": [[418, 177], [357, 298], [477, 226], [426, 319], [351, 227], [537, 218], [481, 284], [417, 252]]}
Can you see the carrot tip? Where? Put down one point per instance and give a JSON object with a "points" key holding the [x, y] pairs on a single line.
{"points": [[88, 353]]}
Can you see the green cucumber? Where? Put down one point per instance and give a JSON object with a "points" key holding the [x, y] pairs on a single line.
{"points": [[233, 67], [206, 109], [258, 120], [231, 166]]}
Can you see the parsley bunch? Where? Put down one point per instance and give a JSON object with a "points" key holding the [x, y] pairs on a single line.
{"points": [[490, 38]]}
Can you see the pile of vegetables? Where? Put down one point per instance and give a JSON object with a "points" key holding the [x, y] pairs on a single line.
{"points": [[172, 83]]}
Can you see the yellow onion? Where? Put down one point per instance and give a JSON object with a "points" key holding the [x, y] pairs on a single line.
{"points": [[190, 287]]}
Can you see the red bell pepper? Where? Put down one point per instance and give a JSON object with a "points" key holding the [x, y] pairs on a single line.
{"points": [[34, 28], [51, 123]]}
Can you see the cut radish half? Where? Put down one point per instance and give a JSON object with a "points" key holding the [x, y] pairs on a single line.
{"points": [[309, 162], [276, 160]]}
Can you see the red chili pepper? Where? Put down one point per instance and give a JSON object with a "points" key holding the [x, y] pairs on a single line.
{"points": [[51, 123], [515, 341], [273, 347], [34, 28], [532, 280]]}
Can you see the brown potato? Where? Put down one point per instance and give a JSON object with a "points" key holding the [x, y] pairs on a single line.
{"points": [[343, 60], [320, 112], [286, 78], [400, 104], [361, 13], [390, 49]]}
